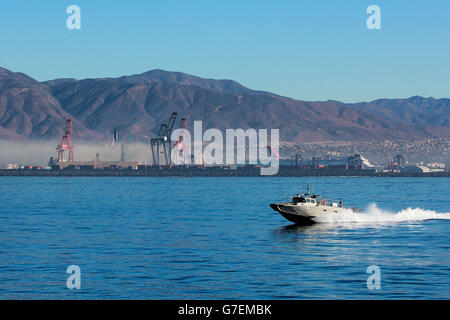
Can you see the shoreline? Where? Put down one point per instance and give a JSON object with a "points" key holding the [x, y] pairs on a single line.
{"points": [[210, 172]]}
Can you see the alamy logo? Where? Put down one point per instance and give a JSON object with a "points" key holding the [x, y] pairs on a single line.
{"points": [[73, 22], [374, 20], [209, 148], [374, 281], [74, 280]]}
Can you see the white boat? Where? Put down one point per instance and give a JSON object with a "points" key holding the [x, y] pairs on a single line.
{"points": [[307, 207]]}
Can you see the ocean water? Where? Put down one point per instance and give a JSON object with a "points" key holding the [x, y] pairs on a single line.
{"points": [[217, 238]]}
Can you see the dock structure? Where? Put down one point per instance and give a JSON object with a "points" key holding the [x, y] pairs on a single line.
{"points": [[299, 167], [94, 165], [111, 169]]}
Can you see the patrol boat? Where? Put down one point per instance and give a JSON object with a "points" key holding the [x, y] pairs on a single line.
{"points": [[305, 208]]}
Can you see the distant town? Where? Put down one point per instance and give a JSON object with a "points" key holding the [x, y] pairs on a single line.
{"points": [[426, 155]]}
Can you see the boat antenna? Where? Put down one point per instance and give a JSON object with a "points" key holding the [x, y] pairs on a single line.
{"points": [[307, 189]]}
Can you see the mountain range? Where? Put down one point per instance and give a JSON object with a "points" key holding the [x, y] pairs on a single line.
{"points": [[137, 104]]}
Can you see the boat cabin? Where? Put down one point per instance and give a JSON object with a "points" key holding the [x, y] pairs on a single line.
{"points": [[315, 199], [305, 198]]}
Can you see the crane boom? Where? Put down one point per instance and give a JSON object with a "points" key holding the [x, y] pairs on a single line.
{"points": [[170, 124], [162, 130]]}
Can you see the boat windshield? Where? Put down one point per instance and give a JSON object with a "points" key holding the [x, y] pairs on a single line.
{"points": [[298, 198]]}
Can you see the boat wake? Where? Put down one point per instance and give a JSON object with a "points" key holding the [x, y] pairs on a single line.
{"points": [[373, 214]]}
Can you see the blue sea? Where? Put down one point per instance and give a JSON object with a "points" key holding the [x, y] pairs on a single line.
{"points": [[217, 238]]}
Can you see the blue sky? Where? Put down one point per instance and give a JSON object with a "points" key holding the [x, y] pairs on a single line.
{"points": [[311, 50]]}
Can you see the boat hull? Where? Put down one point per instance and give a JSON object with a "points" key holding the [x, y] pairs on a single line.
{"points": [[293, 217], [306, 214]]}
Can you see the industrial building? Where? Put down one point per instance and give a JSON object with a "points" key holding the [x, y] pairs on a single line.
{"points": [[354, 162]]}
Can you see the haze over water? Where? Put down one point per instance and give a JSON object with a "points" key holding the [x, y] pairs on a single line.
{"points": [[217, 238]]}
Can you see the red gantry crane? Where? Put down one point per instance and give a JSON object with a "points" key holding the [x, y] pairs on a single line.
{"points": [[66, 142]]}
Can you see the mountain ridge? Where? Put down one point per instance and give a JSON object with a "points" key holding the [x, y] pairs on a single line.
{"points": [[137, 104]]}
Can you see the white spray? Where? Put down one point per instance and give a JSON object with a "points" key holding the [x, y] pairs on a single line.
{"points": [[375, 215]]}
